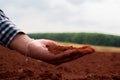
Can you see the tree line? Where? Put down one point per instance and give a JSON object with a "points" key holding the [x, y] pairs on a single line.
{"points": [[81, 38]]}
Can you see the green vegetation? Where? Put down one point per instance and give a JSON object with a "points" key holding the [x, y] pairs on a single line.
{"points": [[81, 38]]}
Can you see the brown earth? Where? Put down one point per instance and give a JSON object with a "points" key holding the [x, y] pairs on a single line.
{"points": [[70, 49], [96, 66]]}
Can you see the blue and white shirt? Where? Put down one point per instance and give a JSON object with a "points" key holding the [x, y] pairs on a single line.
{"points": [[8, 30]]}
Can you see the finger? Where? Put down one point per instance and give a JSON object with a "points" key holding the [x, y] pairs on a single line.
{"points": [[70, 55], [66, 54], [88, 47], [73, 52], [67, 59], [58, 62]]}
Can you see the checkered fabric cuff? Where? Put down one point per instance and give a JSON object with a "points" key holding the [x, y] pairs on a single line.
{"points": [[8, 30]]}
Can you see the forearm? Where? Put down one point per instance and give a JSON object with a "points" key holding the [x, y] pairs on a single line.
{"points": [[20, 42]]}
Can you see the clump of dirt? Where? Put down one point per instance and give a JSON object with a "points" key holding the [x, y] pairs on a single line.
{"points": [[58, 49], [69, 49]]}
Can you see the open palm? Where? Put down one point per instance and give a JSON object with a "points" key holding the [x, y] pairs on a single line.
{"points": [[37, 49]]}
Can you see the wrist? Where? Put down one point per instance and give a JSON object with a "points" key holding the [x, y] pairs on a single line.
{"points": [[20, 42]]}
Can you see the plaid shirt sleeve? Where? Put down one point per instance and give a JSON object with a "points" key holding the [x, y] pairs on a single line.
{"points": [[8, 30]]}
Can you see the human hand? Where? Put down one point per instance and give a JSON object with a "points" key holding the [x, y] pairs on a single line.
{"points": [[38, 49]]}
